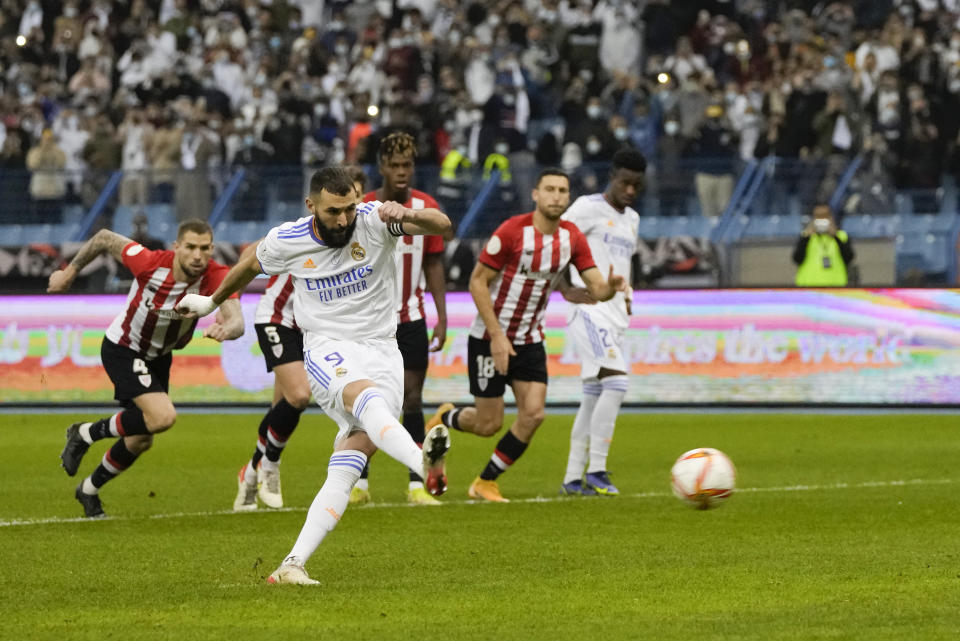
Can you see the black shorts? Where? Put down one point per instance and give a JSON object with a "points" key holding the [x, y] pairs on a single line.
{"points": [[132, 374], [279, 344], [414, 345], [530, 364]]}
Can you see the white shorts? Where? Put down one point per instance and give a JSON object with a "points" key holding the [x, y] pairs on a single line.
{"points": [[597, 343], [333, 364]]}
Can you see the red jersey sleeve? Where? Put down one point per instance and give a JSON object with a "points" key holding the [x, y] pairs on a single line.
{"points": [[580, 254], [213, 277], [433, 244], [499, 249], [138, 258]]}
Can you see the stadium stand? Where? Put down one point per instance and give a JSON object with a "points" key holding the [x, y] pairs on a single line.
{"points": [[749, 112]]}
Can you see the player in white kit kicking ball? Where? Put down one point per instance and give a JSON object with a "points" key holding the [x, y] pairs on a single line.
{"points": [[341, 258], [611, 226]]}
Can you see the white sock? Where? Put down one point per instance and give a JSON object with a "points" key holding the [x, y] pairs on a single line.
{"points": [[580, 434], [604, 419], [328, 506], [84, 431], [363, 484], [385, 430], [267, 464], [415, 485], [250, 474], [89, 487]]}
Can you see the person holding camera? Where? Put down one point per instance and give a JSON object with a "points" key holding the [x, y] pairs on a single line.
{"points": [[823, 252]]}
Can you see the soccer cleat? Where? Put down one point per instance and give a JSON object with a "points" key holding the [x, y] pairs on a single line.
{"points": [[420, 496], [358, 496], [92, 508], [74, 450], [269, 487], [291, 572], [435, 447], [246, 500], [600, 483], [435, 419], [577, 488], [486, 490]]}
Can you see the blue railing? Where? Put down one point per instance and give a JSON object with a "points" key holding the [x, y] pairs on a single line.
{"points": [[770, 199]]}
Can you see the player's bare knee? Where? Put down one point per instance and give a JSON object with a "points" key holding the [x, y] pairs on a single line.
{"points": [[532, 418], [160, 420], [488, 425], [138, 444], [299, 398]]}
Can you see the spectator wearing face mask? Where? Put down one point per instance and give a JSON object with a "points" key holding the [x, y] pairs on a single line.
{"points": [[715, 151], [673, 184], [593, 126], [823, 252]]}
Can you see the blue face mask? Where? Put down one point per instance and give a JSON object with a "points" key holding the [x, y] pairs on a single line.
{"points": [[275, 42]]}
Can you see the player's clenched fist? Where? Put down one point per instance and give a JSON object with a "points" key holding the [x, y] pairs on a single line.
{"points": [[195, 306], [61, 280], [391, 212]]}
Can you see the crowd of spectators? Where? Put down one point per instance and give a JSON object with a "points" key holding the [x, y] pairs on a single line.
{"points": [[158, 87]]}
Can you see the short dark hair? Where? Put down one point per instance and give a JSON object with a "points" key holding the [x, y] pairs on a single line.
{"points": [[629, 159], [399, 142], [195, 225], [551, 171], [358, 175], [334, 179]]}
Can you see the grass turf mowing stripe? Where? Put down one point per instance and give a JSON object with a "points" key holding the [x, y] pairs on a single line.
{"points": [[537, 499]]}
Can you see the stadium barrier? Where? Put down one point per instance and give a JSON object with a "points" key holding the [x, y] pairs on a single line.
{"points": [[874, 347]]}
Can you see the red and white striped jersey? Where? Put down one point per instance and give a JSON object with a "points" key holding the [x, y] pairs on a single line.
{"points": [[530, 265], [276, 304], [149, 325], [410, 253]]}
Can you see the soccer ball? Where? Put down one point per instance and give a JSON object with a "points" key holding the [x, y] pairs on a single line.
{"points": [[703, 477]]}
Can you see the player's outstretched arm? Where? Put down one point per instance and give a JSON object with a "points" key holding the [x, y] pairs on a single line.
{"points": [[239, 276], [415, 222], [602, 289], [229, 322], [500, 347], [103, 241]]}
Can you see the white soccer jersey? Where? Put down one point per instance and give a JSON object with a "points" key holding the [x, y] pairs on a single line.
{"points": [[612, 237], [345, 293]]}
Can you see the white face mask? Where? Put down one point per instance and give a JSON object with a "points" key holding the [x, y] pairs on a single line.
{"points": [[821, 225], [671, 127], [593, 111], [593, 146], [502, 149], [621, 133]]}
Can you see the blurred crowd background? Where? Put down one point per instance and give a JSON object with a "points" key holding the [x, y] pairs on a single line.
{"points": [[178, 93]]}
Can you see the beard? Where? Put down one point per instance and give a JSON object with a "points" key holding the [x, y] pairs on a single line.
{"points": [[334, 237]]}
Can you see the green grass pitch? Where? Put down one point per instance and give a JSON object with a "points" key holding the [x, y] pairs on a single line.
{"points": [[844, 527]]}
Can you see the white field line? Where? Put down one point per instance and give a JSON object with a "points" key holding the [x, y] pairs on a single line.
{"points": [[58, 520]]}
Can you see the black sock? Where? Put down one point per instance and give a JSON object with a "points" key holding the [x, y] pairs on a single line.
{"points": [[451, 418], [261, 440], [508, 450], [126, 423], [281, 420], [117, 459], [413, 422], [366, 471]]}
